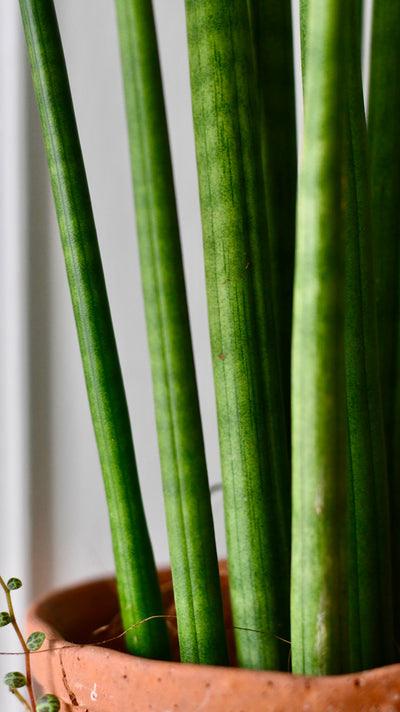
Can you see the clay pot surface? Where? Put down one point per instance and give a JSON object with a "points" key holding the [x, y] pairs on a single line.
{"points": [[88, 677]]}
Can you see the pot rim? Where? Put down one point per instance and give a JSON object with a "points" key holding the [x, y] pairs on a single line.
{"points": [[60, 668]]}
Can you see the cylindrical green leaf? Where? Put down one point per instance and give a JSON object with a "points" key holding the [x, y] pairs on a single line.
{"points": [[136, 574], [185, 483], [384, 148], [371, 612], [319, 597], [251, 424], [271, 23]]}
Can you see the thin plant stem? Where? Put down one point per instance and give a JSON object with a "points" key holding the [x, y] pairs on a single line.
{"points": [[28, 671], [22, 699]]}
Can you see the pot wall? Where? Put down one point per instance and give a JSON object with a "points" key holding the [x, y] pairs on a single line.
{"points": [[96, 679]]}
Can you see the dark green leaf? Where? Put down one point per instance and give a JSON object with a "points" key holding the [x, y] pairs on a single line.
{"points": [[4, 618], [35, 641], [138, 587], [48, 703], [14, 679]]}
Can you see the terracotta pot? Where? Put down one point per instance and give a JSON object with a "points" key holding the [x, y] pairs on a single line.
{"points": [[92, 678]]}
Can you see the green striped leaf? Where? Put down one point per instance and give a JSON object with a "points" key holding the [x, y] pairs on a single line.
{"points": [[185, 483], [319, 588], [241, 315], [136, 573]]}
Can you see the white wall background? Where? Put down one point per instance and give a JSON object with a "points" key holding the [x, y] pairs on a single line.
{"points": [[53, 520], [14, 385]]}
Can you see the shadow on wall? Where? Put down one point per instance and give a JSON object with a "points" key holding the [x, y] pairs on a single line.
{"points": [[40, 454]]}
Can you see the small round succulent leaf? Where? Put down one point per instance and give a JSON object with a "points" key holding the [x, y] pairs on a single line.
{"points": [[35, 641], [13, 584], [14, 679], [5, 618], [48, 703]]}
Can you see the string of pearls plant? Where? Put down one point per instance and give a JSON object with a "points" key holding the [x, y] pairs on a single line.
{"points": [[16, 680]]}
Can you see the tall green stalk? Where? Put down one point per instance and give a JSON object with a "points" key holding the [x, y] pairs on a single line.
{"points": [[384, 145], [186, 490], [241, 314], [271, 23], [319, 596], [371, 613], [136, 573]]}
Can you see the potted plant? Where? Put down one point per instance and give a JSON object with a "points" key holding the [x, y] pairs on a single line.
{"points": [[299, 355]]}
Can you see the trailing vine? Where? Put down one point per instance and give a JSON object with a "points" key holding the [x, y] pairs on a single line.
{"points": [[16, 680]]}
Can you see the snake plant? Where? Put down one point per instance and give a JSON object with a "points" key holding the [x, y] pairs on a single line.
{"points": [[301, 263]]}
